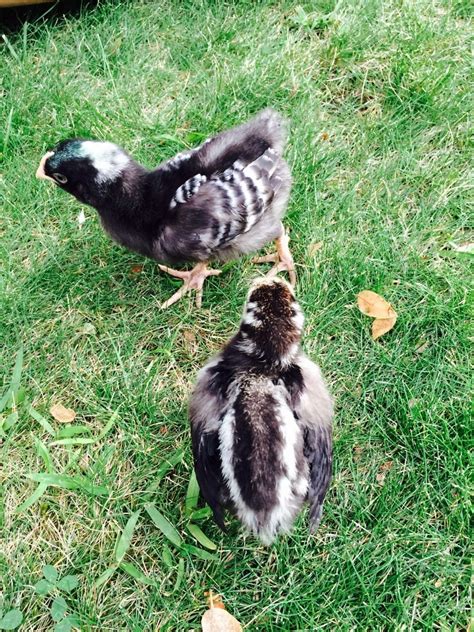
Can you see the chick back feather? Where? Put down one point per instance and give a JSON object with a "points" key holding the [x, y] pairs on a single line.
{"points": [[266, 406]]}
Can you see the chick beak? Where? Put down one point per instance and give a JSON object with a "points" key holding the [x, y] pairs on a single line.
{"points": [[40, 171]]}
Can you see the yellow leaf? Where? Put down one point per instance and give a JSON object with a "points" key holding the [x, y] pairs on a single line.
{"points": [[372, 304], [381, 326], [62, 414], [218, 620]]}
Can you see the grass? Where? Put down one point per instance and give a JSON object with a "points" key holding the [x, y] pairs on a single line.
{"points": [[379, 98]]}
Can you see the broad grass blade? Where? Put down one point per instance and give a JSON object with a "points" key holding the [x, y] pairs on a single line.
{"points": [[44, 423], [164, 525], [164, 468], [201, 537], [105, 576], [31, 500], [192, 495], [69, 482], [136, 573], [124, 542], [43, 452]]}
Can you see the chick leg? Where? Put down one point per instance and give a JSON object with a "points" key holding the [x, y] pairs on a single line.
{"points": [[282, 259], [192, 280]]}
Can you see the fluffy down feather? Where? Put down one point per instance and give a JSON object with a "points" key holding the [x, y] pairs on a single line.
{"points": [[261, 420]]}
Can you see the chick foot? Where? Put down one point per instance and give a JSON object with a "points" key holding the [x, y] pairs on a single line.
{"points": [[282, 259], [192, 280]]}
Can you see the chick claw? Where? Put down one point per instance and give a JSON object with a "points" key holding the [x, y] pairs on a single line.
{"points": [[282, 259], [192, 280]]}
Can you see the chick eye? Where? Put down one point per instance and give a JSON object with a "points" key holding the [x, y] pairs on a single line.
{"points": [[60, 178]]}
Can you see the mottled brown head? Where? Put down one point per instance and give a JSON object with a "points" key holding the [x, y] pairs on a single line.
{"points": [[272, 321]]}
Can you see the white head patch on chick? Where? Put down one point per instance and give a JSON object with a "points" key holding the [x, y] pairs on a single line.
{"points": [[109, 160]]}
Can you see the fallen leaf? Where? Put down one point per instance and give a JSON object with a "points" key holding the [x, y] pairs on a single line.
{"points": [[313, 248], [62, 414], [324, 136], [381, 326], [215, 601], [372, 304], [136, 269], [217, 619]]}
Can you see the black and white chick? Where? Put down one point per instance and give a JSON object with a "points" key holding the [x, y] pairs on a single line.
{"points": [[221, 200], [261, 420]]}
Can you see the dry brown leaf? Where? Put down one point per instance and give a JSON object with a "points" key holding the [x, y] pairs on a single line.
{"points": [[381, 326], [217, 619], [136, 269], [313, 248], [324, 136], [62, 414], [372, 304]]}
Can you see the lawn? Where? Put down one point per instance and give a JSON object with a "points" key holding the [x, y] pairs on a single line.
{"points": [[379, 98]]}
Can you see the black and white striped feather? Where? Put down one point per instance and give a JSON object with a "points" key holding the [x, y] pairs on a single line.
{"points": [[217, 201], [261, 420]]}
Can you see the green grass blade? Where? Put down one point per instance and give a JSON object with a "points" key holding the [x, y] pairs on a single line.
{"points": [[17, 370], [11, 420], [72, 431], [109, 425], [164, 468], [201, 537], [69, 482], [136, 573], [12, 390], [192, 495], [13, 52], [32, 499], [164, 525], [167, 556], [44, 423], [201, 514], [126, 537], [43, 452], [179, 575], [199, 553], [105, 576], [78, 441]]}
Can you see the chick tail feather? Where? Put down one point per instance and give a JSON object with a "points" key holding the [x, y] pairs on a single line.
{"points": [[273, 127]]}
